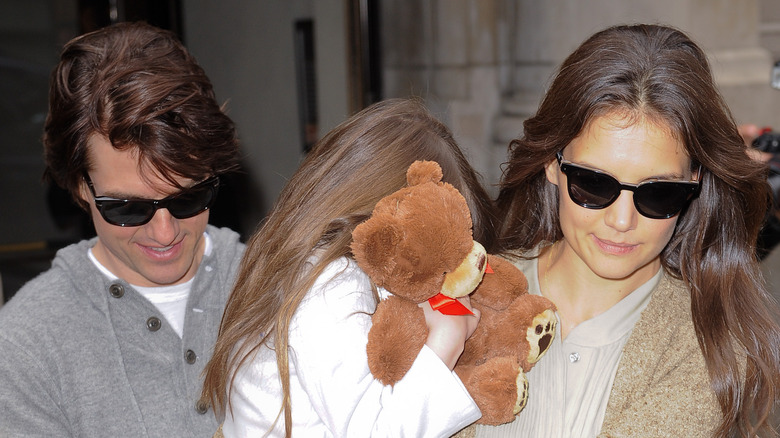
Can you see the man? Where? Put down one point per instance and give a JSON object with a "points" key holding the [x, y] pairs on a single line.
{"points": [[111, 341]]}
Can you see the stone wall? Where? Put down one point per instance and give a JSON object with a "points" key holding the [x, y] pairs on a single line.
{"points": [[482, 65]]}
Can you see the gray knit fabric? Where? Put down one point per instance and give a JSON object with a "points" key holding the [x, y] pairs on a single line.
{"points": [[80, 356]]}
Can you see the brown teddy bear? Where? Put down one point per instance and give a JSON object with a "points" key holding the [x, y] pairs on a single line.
{"points": [[418, 246]]}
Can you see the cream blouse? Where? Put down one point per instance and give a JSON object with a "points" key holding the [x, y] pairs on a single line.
{"points": [[569, 387]]}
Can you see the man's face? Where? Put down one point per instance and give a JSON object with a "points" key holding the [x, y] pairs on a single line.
{"points": [[164, 251]]}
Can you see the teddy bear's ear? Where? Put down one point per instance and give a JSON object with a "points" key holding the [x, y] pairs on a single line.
{"points": [[423, 171], [373, 245]]}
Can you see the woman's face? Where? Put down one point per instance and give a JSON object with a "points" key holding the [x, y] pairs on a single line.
{"points": [[617, 242]]}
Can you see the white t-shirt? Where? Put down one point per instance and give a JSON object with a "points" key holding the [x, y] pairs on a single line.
{"points": [[569, 387], [171, 301]]}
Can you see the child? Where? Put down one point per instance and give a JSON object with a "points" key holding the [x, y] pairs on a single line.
{"points": [[291, 354]]}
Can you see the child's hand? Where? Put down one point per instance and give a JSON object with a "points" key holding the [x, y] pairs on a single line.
{"points": [[448, 333]]}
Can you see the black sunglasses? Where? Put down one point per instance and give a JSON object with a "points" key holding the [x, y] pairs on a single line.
{"points": [[653, 199], [136, 212]]}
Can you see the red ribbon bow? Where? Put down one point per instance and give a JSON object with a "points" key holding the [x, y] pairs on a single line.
{"points": [[451, 306], [448, 306]]}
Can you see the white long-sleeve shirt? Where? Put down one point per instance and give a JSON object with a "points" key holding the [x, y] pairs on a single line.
{"points": [[332, 390]]}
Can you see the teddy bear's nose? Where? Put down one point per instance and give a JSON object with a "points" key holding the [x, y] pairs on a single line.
{"points": [[481, 262]]}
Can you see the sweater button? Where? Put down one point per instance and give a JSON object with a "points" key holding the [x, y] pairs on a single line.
{"points": [[153, 324], [116, 290], [201, 407], [190, 356]]}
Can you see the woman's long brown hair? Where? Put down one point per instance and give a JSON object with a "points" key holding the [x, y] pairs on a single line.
{"points": [[658, 72], [336, 187]]}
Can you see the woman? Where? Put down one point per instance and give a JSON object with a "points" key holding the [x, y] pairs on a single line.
{"points": [[291, 353], [631, 203]]}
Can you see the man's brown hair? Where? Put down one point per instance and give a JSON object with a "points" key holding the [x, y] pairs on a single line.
{"points": [[137, 86]]}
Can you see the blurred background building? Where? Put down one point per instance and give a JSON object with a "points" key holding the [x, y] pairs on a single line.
{"points": [[289, 70]]}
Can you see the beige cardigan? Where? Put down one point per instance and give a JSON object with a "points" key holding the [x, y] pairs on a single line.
{"points": [[662, 388]]}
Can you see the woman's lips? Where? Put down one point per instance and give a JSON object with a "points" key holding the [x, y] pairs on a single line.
{"points": [[614, 248]]}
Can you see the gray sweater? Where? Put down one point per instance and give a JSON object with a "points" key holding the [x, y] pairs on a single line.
{"points": [[84, 356]]}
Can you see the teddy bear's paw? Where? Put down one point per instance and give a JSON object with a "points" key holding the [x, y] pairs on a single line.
{"points": [[498, 386], [522, 393], [540, 335], [398, 333]]}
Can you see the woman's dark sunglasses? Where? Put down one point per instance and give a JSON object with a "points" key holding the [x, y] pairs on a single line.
{"points": [[654, 199], [136, 212]]}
